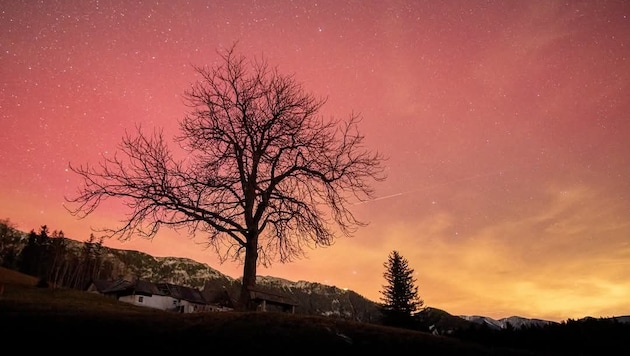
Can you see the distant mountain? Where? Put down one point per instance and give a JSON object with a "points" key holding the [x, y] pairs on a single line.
{"points": [[518, 322], [513, 321], [440, 322]]}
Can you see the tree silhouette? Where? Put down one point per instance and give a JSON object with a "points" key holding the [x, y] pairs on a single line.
{"points": [[57, 256], [264, 176], [9, 239], [33, 257], [400, 294]]}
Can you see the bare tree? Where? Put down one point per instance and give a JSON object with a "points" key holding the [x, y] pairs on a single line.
{"points": [[264, 175]]}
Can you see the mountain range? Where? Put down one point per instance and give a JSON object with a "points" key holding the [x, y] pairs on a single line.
{"points": [[311, 298]]}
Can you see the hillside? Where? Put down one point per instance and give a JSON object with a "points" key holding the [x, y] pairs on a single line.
{"points": [[64, 319], [329, 318], [110, 263]]}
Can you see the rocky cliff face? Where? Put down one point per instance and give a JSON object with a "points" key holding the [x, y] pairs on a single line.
{"points": [[131, 265]]}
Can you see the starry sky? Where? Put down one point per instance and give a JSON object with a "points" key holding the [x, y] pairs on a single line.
{"points": [[505, 124]]}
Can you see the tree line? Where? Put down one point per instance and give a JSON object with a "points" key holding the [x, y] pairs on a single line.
{"points": [[587, 336], [47, 256]]}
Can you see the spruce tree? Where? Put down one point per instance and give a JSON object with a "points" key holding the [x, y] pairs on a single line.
{"points": [[400, 295]]}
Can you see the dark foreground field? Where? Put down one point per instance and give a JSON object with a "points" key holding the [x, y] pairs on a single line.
{"points": [[70, 321]]}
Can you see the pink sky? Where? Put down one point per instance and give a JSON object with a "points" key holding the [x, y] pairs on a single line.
{"points": [[505, 123]]}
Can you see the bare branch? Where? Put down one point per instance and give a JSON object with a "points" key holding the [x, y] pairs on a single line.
{"points": [[264, 178]]}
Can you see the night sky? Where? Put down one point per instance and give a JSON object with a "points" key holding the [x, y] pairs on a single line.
{"points": [[505, 123]]}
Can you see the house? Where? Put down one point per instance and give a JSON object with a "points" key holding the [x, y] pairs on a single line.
{"points": [[220, 298], [263, 298], [266, 300], [164, 296], [184, 299], [171, 297]]}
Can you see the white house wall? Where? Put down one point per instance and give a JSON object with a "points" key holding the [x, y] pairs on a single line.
{"points": [[191, 307], [154, 301], [168, 303]]}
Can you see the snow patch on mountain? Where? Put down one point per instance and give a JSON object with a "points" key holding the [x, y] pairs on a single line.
{"points": [[514, 321]]}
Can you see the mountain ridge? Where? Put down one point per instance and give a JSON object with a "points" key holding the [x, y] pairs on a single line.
{"points": [[313, 297]]}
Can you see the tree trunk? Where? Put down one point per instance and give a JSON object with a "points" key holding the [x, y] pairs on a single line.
{"points": [[249, 273]]}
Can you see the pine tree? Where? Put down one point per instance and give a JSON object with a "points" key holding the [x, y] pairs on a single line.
{"points": [[400, 295]]}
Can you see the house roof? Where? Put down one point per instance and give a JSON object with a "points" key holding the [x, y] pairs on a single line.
{"points": [[124, 287], [101, 285], [145, 287], [111, 286], [260, 294], [219, 295], [181, 292]]}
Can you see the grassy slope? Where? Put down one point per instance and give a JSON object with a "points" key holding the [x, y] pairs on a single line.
{"points": [[60, 319]]}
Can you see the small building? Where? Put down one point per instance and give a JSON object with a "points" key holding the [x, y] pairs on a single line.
{"points": [[219, 299], [266, 300]]}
